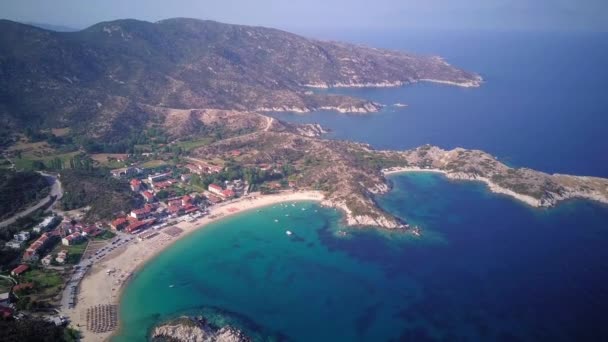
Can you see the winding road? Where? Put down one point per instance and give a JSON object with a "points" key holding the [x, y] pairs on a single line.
{"points": [[55, 194]]}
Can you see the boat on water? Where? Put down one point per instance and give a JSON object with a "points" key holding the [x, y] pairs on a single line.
{"points": [[275, 220], [288, 232], [171, 285], [416, 231]]}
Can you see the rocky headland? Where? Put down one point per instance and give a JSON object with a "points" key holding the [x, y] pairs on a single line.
{"points": [[190, 329]]}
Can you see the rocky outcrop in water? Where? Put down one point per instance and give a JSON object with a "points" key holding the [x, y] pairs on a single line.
{"points": [[186, 329]]}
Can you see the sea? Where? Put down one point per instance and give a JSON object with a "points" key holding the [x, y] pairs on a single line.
{"points": [[486, 268]]}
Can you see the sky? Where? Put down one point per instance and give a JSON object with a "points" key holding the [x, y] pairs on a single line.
{"points": [[529, 15]]}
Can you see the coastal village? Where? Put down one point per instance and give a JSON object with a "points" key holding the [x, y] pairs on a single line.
{"points": [[61, 250]]}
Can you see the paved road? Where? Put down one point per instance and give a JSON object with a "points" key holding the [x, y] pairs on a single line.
{"points": [[54, 195]]}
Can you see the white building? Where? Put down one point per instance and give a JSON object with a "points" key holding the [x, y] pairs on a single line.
{"points": [[45, 224], [21, 236], [14, 244]]}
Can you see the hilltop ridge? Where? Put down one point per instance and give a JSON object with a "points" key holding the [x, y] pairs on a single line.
{"points": [[103, 80]]}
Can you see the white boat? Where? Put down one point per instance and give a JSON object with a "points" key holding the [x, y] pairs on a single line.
{"points": [[275, 220], [171, 285], [288, 232]]}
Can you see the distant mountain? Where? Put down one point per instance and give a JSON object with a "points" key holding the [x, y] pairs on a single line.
{"points": [[51, 27], [104, 80]]}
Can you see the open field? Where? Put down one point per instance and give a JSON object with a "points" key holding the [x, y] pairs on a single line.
{"points": [[192, 144], [75, 252], [26, 162], [60, 132], [47, 282], [153, 164], [109, 159]]}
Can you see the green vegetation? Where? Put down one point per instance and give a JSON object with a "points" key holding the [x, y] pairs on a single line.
{"points": [[27, 330], [75, 252], [22, 223], [106, 235], [51, 162], [153, 164], [18, 190], [5, 285], [105, 195], [190, 145], [47, 285]]}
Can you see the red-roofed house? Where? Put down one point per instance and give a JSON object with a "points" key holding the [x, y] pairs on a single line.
{"points": [[135, 184], [188, 209], [235, 153], [228, 193], [21, 287], [31, 253], [140, 213], [119, 223], [19, 270], [148, 196], [215, 169], [174, 209], [71, 239], [216, 189], [186, 200], [138, 225]]}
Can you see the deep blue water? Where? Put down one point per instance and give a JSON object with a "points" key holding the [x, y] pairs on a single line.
{"points": [[543, 105], [487, 267]]}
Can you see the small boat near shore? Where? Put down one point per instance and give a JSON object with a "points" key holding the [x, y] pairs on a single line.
{"points": [[288, 232]]}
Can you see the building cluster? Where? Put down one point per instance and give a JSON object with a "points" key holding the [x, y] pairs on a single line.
{"points": [[22, 237], [32, 253], [61, 258], [201, 168], [74, 232]]}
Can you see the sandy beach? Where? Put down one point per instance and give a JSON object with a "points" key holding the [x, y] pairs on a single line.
{"points": [[100, 288]]}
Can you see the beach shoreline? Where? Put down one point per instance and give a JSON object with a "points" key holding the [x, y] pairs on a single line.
{"points": [[100, 287]]}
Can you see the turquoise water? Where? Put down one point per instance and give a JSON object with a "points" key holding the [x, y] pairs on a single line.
{"points": [[486, 268]]}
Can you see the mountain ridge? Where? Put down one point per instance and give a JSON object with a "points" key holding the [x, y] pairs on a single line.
{"points": [[111, 71]]}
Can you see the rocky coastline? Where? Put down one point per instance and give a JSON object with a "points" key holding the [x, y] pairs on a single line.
{"points": [[364, 108], [546, 200], [196, 329]]}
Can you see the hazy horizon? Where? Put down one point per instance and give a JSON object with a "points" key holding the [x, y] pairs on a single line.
{"points": [[311, 15]]}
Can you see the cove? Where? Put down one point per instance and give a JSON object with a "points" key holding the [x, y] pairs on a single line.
{"points": [[486, 268]]}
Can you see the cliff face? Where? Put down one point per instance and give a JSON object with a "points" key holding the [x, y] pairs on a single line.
{"points": [[105, 78]]}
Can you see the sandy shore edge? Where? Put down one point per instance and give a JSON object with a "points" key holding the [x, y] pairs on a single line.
{"points": [[99, 288]]}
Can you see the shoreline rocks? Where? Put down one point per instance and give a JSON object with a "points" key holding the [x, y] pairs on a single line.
{"points": [[187, 329]]}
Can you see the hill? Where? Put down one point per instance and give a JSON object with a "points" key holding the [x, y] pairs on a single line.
{"points": [[106, 80]]}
